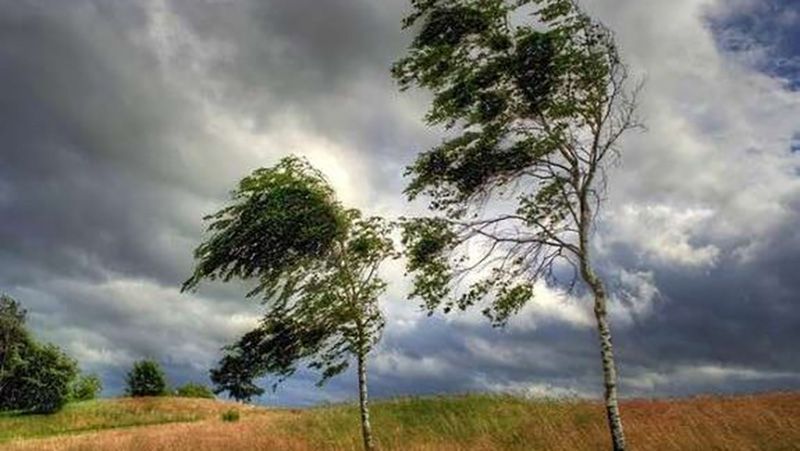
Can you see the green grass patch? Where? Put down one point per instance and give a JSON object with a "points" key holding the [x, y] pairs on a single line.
{"points": [[230, 415], [92, 416], [451, 420]]}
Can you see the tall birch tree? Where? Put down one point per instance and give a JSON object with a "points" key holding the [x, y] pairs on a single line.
{"points": [[534, 110]]}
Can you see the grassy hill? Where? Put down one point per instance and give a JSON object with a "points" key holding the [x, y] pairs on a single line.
{"points": [[473, 422]]}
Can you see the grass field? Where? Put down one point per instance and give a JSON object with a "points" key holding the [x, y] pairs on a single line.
{"points": [[474, 422]]}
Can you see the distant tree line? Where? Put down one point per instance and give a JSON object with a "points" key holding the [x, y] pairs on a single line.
{"points": [[41, 378], [147, 378]]}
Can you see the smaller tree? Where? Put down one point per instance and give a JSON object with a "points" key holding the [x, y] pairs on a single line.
{"points": [[85, 388], [146, 378], [194, 390], [315, 263]]}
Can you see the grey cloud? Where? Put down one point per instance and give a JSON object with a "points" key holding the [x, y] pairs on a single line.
{"points": [[123, 123]]}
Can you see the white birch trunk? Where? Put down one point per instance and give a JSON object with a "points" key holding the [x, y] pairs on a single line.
{"points": [[604, 331], [366, 428]]}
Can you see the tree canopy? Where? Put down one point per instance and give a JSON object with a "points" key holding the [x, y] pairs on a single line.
{"points": [[534, 113], [146, 378], [34, 377], [281, 222], [314, 262], [535, 110]]}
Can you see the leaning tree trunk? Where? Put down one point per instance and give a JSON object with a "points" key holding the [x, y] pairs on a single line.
{"points": [[609, 367], [604, 331], [366, 428]]}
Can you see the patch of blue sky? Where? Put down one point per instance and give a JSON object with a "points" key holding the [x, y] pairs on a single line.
{"points": [[762, 33], [795, 144]]}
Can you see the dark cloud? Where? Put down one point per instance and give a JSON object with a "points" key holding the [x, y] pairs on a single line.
{"points": [[123, 123]]}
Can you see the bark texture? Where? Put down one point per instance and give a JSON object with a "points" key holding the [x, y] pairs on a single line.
{"points": [[366, 428], [603, 329], [609, 367]]}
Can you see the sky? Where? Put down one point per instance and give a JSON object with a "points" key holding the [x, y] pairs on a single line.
{"points": [[122, 123]]}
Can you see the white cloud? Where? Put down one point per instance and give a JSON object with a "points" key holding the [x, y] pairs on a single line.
{"points": [[401, 365], [536, 390], [119, 320], [713, 172], [702, 374], [663, 234]]}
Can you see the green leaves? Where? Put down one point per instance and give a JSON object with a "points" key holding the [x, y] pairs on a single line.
{"points": [[532, 111], [86, 387], [34, 377], [282, 221], [428, 242], [41, 383], [535, 71], [316, 265], [194, 390], [448, 26], [146, 378]]}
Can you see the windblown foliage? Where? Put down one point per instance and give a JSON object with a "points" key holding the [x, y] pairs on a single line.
{"points": [[280, 225], [535, 112], [315, 264]]}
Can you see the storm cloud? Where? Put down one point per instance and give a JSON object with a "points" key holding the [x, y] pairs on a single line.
{"points": [[123, 123]]}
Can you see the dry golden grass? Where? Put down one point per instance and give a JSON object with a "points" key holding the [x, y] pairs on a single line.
{"points": [[253, 432], [474, 422]]}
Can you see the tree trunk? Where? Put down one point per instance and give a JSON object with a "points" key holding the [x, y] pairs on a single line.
{"points": [[604, 331], [366, 428], [609, 368], [607, 355]]}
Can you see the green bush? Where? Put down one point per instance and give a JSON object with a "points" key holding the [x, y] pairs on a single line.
{"points": [[40, 383], [194, 390], [146, 378], [85, 388], [33, 377], [230, 415]]}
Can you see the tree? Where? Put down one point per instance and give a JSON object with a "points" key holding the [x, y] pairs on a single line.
{"points": [[45, 379], [535, 115], [85, 388], [316, 265], [33, 377], [40, 384], [146, 378], [194, 390], [13, 338]]}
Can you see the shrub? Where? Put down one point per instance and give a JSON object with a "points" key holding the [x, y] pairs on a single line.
{"points": [[33, 377], [85, 388], [230, 415], [146, 378], [14, 340], [194, 390], [40, 383]]}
